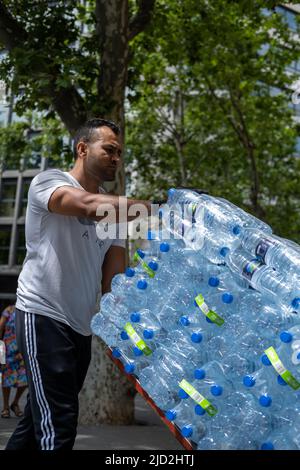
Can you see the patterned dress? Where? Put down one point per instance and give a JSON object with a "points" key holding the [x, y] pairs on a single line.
{"points": [[13, 373]]}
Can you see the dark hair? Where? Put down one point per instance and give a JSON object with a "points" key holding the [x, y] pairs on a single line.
{"points": [[86, 131]]}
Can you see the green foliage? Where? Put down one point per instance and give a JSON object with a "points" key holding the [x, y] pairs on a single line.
{"points": [[227, 62], [208, 98], [23, 143]]}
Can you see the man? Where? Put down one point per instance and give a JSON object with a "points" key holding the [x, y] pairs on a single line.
{"points": [[65, 265]]}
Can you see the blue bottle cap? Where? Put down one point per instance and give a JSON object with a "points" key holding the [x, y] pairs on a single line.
{"points": [[227, 298], [129, 368], [199, 410], [249, 381], [224, 250], [236, 230], [267, 446], [153, 265], [216, 390], [116, 353], [171, 415], [199, 374], [182, 394], [184, 321], [171, 192], [140, 252], [135, 317], [142, 284], [164, 247], [280, 380], [137, 352], [151, 235], [286, 337], [148, 334], [124, 335], [196, 337], [265, 400], [208, 320], [296, 303], [187, 431], [213, 281], [129, 272], [265, 360]]}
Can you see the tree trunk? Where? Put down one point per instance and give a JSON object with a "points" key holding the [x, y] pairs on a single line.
{"points": [[107, 396]]}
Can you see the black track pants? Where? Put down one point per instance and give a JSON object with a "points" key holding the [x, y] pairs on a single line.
{"points": [[57, 360]]}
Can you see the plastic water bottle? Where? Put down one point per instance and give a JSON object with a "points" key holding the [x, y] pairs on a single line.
{"points": [[184, 417], [210, 381], [272, 251], [123, 281], [133, 359], [272, 284], [112, 307], [138, 296], [289, 350], [277, 440], [191, 342], [156, 385], [107, 330], [222, 278], [216, 213], [148, 327], [280, 362], [267, 387], [265, 317]]}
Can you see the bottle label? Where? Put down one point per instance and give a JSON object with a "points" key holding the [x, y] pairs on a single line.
{"points": [[137, 340], [250, 268], [213, 316], [149, 271], [281, 370], [198, 398], [262, 248]]}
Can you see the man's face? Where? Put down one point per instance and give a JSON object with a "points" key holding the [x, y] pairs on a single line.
{"points": [[103, 154]]}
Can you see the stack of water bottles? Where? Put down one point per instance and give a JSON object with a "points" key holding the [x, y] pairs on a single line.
{"points": [[207, 319]]}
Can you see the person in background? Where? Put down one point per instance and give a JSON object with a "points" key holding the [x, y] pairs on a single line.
{"points": [[13, 372]]}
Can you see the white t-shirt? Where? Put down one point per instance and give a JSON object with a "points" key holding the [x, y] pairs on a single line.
{"points": [[62, 272]]}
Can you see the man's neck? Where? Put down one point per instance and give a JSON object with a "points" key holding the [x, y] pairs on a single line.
{"points": [[89, 184]]}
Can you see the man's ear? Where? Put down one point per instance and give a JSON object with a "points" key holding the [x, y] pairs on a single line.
{"points": [[82, 149]]}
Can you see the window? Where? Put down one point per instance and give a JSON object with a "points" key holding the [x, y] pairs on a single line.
{"points": [[7, 197], [21, 248], [26, 184], [5, 232]]}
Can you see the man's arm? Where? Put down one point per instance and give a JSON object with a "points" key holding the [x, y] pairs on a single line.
{"points": [[70, 201], [114, 263]]}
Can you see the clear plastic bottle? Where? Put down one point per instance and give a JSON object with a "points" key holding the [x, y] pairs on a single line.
{"points": [[107, 330], [273, 251], [278, 440], [272, 284], [211, 381], [123, 281], [216, 213]]}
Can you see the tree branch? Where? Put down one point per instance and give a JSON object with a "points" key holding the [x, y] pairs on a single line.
{"points": [[66, 101], [12, 33], [140, 21]]}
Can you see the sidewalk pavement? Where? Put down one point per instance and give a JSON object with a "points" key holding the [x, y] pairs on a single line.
{"points": [[149, 432]]}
